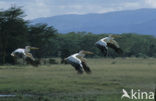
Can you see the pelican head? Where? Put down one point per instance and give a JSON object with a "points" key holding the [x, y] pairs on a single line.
{"points": [[110, 35], [34, 48]]}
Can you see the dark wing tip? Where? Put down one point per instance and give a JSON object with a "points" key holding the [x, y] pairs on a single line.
{"points": [[118, 50], [86, 68], [77, 67], [102, 48]]}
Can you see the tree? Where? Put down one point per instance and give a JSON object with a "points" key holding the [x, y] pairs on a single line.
{"points": [[40, 35], [13, 31]]}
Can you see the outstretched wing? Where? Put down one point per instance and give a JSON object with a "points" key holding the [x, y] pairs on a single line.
{"points": [[18, 53], [81, 58], [115, 47], [76, 63], [102, 48], [84, 64], [30, 56], [77, 67], [86, 67]]}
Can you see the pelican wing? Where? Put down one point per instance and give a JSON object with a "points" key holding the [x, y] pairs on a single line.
{"points": [[18, 53], [84, 64], [114, 45], [77, 67], [74, 59], [86, 67], [81, 58], [20, 50], [76, 63], [103, 49], [30, 56]]}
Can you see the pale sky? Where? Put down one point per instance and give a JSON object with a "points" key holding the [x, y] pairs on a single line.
{"points": [[46, 8]]}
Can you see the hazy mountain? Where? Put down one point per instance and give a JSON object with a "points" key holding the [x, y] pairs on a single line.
{"points": [[141, 21]]}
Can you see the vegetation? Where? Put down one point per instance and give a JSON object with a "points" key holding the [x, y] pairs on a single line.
{"points": [[16, 32], [62, 83]]}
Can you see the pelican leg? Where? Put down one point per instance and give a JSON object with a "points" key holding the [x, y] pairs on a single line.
{"points": [[115, 43]]}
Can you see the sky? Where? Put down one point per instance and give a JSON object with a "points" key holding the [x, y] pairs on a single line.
{"points": [[46, 8]]}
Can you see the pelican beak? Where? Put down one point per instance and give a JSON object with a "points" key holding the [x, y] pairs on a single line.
{"points": [[34, 48], [88, 52], [117, 36]]}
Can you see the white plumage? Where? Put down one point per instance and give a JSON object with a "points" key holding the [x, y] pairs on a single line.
{"points": [[74, 59], [78, 61], [106, 42], [102, 43], [19, 50], [24, 53]]}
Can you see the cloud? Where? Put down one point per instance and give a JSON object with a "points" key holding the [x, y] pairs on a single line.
{"points": [[36, 9], [151, 3], [46, 8], [4, 5]]}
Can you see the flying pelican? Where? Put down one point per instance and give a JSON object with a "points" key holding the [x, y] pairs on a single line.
{"points": [[106, 42], [24, 53], [78, 61]]}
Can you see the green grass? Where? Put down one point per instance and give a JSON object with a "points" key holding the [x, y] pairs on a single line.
{"points": [[62, 83]]}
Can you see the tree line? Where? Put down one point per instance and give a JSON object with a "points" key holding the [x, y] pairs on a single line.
{"points": [[16, 32]]}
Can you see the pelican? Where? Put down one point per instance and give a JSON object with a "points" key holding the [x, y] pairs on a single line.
{"points": [[78, 61], [106, 42], [24, 53]]}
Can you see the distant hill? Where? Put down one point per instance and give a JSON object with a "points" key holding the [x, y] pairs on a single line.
{"points": [[142, 21]]}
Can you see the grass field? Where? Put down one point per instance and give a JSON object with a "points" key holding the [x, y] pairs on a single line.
{"points": [[62, 83]]}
